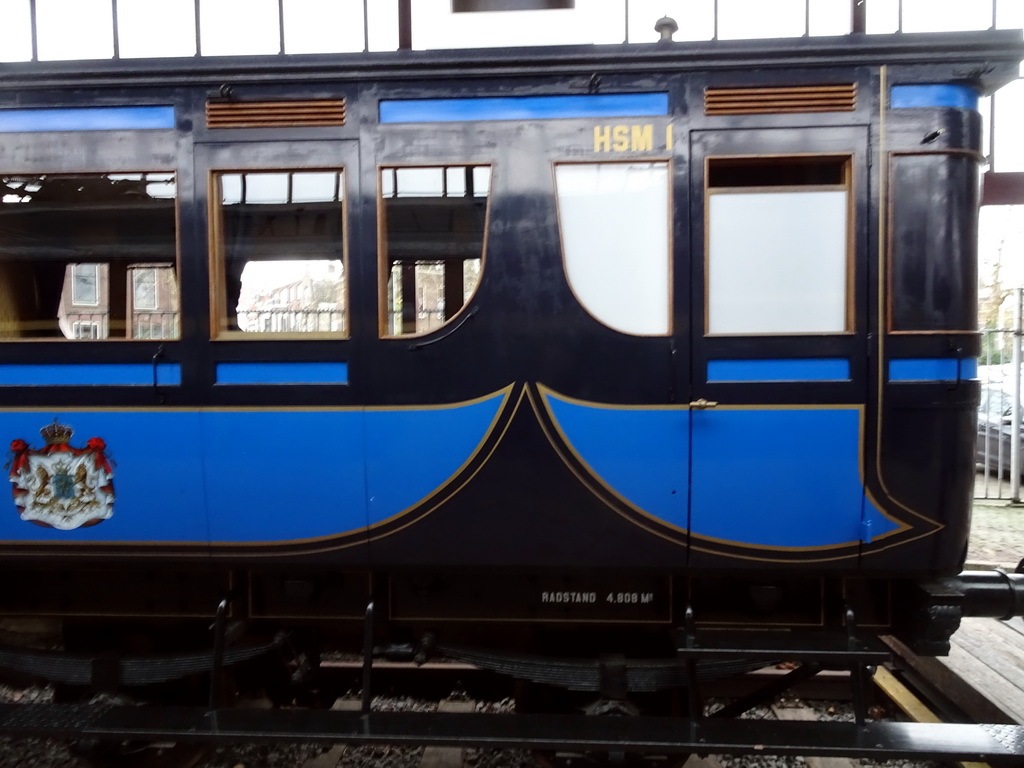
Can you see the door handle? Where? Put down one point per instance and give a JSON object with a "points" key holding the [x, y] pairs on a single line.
{"points": [[702, 404]]}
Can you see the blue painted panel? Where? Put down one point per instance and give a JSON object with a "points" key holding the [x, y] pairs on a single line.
{"points": [[822, 369], [96, 375], [939, 369], [639, 453], [282, 373], [157, 464], [258, 475], [969, 368], [281, 475], [86, 119], [819, 504], [524, 108], [910, 96], [410, 453]]}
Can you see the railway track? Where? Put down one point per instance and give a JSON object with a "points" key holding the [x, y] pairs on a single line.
{"points": [[896, 695]]}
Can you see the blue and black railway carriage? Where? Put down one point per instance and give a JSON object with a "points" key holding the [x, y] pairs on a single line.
{"points": [[550, 335]]}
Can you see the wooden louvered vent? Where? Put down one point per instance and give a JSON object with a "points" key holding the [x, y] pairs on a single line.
{"points": [[796, 98], [275, 114]]}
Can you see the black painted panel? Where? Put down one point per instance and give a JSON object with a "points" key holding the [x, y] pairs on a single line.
{"points": [[934, 242]]}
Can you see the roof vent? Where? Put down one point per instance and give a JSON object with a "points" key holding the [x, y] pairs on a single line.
{"points": [[782, 99], [275, 114]]}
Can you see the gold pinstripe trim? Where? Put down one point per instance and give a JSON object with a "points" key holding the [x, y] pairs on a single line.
{"points": [[883, 299], [359, 534], [497, 417], [564, 446]]}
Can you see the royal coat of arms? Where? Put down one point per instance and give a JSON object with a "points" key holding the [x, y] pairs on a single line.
{"points": [[59, 486]]}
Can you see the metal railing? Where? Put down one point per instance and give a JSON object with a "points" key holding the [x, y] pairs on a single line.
{"points": [[292, 321], [998, 448]]}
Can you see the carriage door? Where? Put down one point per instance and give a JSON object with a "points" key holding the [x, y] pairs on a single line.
{"points": [[778, 379], [277, 373]]}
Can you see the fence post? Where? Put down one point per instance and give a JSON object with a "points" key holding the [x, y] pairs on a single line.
{"points": [[1015, 412]]}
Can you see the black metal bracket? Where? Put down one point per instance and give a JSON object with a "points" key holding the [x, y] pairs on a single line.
{"points": [[859, 677], [367, 660], [695, 704], [612, 673], [220, 626]]}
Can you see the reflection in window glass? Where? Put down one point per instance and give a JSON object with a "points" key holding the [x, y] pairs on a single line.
{"points": [[86, 330], [777, 259], [144, 287], [223, 32], [156, 28], [265, 188], [231, 188], [59, 25], [85, 283], [280, 246], [434, 222], [314, 187], [70, 246], [614, 219], [16, 22], [313, 26], [421, 182]]}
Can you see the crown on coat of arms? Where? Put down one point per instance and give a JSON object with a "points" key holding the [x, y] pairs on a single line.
{"points": [[57, 433]]}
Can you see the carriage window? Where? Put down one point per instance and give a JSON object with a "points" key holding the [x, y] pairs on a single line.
{"points": [[432, 249], [279, 250], [614, 220], [71, 247], [778, 233]]}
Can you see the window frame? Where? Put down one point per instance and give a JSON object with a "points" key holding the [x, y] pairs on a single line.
{"points": [[668, 162], [384, 266], [78, 325], [848, 185], [75, 299], [137, 272], [110, 170], [217, 265]]}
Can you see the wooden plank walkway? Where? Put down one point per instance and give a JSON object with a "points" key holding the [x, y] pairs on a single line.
{"points": [[989, 654], [984, 672]]}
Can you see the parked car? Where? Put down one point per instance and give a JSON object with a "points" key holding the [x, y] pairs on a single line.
{"points": [[995, 432]]}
